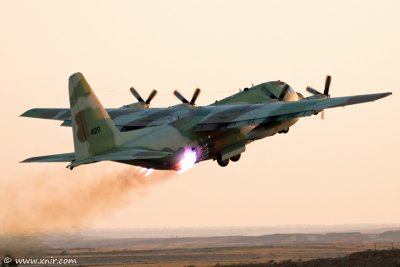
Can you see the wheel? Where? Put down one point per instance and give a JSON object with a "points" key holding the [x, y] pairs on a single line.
{"points": [[222, 163], [284, 131], [236, 158]]}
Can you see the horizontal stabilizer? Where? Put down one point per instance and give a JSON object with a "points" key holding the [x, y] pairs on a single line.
{"points": [[123, 154], [131, 154], [59, 114], [66, 157], [114, 155]]}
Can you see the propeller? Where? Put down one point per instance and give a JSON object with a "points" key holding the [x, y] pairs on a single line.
{"points": [[140, 99], [283, 92], [184, 100], [327, 85], [151, 96], [313, 91], [322, 114], [326, 92]]}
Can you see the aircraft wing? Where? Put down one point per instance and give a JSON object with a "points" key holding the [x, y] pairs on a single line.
{"points": [[212, 117], [243, 115]]}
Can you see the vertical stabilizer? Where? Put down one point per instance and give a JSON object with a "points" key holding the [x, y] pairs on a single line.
{"points": [[93, 130]]}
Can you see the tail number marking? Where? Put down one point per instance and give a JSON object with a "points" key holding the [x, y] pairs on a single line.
{"points": [[95, 130]]}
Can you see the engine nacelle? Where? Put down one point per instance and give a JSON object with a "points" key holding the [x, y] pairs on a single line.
{"points": [[269, 129], [232, 150]]}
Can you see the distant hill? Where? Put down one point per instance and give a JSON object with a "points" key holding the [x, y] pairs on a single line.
{"points": [[238, 230], [223, 241]]}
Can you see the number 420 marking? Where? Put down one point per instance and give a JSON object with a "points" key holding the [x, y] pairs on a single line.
{"points": [[95, 130]]}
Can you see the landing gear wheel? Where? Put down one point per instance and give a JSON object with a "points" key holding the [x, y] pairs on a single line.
{"points": [[236, 158], [284, 131], [222, 163]]}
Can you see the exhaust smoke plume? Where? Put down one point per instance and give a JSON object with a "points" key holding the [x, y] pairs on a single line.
{"points": [[68, 200]]}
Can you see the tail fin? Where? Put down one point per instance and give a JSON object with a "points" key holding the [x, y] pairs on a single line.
{"points": [[95, 136], [93, 130]]}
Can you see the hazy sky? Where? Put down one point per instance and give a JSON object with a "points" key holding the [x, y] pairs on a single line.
{"points": [[340, 170]]}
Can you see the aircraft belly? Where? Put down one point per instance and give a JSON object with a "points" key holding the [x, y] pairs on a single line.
{"points": [[162, 138], [151, 164], [165, 138], [269, 129]]}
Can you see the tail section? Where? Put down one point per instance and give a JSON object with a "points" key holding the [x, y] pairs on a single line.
{"points": [[96, 138], [93, 130]]}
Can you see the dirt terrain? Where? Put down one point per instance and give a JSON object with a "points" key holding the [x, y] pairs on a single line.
{"points": [[382, 258], [174, 257], [330, 249]]}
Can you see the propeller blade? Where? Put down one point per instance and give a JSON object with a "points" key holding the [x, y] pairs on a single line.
{"points": [[283, 93], [313, 91], [136, 94], [327, 85], [300, 96], [151, 96], [270, 95], [194, 97], [323, 115], [181, 97]]}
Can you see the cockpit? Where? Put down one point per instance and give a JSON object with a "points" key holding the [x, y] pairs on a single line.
{"points": [[280, 91], [263, 93]]}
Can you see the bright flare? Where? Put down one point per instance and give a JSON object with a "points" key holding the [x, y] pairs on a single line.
{"points": [[149, 171], [142, 170], [188, 161]]}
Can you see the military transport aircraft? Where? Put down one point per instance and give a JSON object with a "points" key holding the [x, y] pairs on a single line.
{"points": [[177, 137]]}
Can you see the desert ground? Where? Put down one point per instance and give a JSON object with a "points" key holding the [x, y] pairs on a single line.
{"points": [[314, 249], [175, 257]]}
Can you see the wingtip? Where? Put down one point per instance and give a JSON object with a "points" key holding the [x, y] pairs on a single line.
{"points": [[26, 113], [386, 94], [381, 95]]}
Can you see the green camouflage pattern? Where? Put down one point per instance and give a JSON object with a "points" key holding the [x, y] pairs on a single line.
{"points": [[161, 138]]}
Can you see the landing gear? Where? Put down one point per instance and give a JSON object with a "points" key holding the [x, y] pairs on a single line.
{"points": [[236, 158], [284, 131], [222, 163]]}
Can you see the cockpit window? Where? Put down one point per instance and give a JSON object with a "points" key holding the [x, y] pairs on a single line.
{"points": [[279, 91]]}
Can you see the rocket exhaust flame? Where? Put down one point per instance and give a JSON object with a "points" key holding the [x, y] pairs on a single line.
{"points": [[148, 172], [188, 161]]}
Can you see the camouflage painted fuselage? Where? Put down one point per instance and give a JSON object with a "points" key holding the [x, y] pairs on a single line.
{"points": [[162, 138], [178, 136]]}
